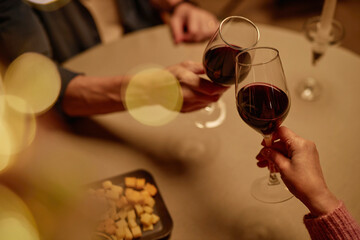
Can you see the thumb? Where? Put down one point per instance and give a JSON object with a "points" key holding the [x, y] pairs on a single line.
{"points": [[289, 138]]}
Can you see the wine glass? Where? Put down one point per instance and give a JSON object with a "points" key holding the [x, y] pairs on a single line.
{"points": [[309, 88], [263, 102], [234, 34]]}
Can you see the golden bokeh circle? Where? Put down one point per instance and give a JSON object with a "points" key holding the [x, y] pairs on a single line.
{"points": [[16, 220], [17, 128], [35, 79], [153, 96]]}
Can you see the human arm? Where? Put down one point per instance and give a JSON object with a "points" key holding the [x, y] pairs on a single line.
{"points": [[188, 22], [89, 95], [298, 162]]}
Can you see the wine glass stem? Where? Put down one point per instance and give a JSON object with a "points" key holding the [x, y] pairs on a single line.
{"points": [[273, 179]]}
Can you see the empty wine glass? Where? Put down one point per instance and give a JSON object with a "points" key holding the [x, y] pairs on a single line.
{"points": [[263, 102], [310, 88], [234, 34]]}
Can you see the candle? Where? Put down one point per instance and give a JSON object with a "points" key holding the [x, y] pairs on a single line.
{"points": [[327, 16]]}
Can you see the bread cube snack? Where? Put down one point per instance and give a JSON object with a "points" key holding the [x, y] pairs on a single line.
{"points": [[146, 219], [148, 228], [107, 184], [117, 189], [131, 214], [138, 209], [128, 234], [122, 202], [121, 224], [120, 233], [140, 183], [133, 196], [148, 209], [130, 208], [136, 231], [155, 218], [114, 195], [151, 189], [130, 182], [149, 201], [132, 223]]}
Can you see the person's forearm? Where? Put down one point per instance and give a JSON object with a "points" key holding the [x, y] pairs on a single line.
{"points": [[87, 95]]}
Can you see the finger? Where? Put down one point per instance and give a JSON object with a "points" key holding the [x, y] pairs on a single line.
{"points": [[284, 134], [280, 147], [193, 96], [183, 74], [177, 28], [204, 86], [195, 67], [262, 164], [193, 26], [196, 83], [278, 158]]}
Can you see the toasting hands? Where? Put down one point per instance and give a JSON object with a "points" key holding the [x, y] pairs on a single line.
{"points": [[297, 160]]}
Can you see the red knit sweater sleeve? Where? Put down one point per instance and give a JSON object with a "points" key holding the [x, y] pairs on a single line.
{"points": [[337, 225]]}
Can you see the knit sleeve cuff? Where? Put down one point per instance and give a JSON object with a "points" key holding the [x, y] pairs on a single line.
{"points": [[338, 224]]}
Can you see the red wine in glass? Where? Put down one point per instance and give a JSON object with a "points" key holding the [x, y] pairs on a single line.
{"points": [[219, 63], [234, 34], [262, 106], [263, 102]]}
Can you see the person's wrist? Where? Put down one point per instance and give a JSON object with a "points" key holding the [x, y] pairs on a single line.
{"points": [[322, 204]]}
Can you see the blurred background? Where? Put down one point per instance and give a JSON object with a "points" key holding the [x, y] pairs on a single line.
{"points": [[290, 14]]}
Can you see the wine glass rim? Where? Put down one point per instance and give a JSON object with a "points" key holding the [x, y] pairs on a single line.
{"points": [[335, 24], [247, 20], [260, 63]]}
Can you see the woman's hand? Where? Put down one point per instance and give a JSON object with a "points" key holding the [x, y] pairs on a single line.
{"points": [[298, 162]]}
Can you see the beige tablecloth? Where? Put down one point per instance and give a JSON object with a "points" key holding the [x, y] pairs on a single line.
{"points": [[204, 175]]}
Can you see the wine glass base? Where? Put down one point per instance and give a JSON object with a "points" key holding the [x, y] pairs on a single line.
{"points": [[262, 191], [309, 89], [211, 116]]}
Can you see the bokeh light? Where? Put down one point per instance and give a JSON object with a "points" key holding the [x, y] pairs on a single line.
{"points": [[153, 96], [35, 79], [17, 128], [16, 220]]}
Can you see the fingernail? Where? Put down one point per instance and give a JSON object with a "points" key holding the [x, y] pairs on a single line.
{"points": [[266, 152]]}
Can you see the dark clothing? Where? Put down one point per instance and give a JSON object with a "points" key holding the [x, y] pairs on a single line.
{"points": [[62, 33]]}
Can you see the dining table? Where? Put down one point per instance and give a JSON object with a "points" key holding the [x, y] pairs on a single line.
{"points": [[204, 174]]}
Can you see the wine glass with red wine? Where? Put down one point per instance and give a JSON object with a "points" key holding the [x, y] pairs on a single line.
{"points": [[234, 34], [263, 102]]}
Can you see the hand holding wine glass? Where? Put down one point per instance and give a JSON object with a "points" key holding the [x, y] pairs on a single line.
{"points": [[263, 102], [298, 159], [234, 34]]}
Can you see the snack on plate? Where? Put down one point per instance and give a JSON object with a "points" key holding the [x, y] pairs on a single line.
{"points": [[130, 211]]}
